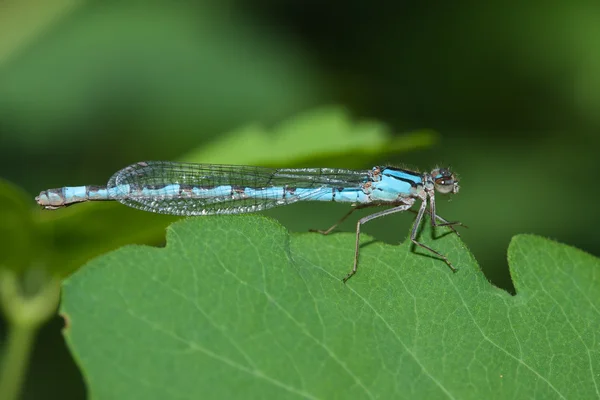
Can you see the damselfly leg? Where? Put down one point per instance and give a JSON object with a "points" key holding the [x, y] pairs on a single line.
{"points": [[366, 219], [327, 231], [332, 227], [434, 222], [403, 206], [415, 231]]}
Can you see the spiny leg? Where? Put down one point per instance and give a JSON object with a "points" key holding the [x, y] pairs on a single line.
{"points": [[414, 231], [366, 219], [444, 222], [358, 207], [435, 217]]}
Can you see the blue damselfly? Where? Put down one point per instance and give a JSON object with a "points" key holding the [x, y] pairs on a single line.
{"points": [[204, 189]]}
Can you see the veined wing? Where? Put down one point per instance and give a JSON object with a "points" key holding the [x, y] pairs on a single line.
{"points": [[203, 189]]}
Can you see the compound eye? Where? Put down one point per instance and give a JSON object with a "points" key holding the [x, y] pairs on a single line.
{"points": [[444, 184], [445, 181]]}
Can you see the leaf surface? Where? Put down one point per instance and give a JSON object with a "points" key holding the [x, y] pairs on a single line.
{"points": [[235, 307]]}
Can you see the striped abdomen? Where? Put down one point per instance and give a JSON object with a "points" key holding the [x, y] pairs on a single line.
{"points": [[195, 198], [65, 196], [201, 189]]}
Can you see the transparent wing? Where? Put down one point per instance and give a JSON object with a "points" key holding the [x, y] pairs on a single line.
{"points": [[202, 189]]}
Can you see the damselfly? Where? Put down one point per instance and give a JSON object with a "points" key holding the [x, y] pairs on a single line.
{"points": [[203, 189]]}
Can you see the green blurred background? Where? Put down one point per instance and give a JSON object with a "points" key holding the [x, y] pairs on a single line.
{"points": [[513, 91]]}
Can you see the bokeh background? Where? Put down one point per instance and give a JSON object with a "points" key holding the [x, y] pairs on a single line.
{"points": [[512, 89]]}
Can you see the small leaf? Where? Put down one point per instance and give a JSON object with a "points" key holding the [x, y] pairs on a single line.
{"points": [[235, 307], [79, 233], [314, 137]]}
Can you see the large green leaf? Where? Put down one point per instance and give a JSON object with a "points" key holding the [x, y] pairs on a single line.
{"points": [[235, 307]]}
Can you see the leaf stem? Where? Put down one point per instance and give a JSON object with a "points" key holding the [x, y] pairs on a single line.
{"points": [[25, 314], [15, 360]]}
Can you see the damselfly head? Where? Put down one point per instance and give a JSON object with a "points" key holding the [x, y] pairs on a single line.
{"points": [[445, 181]]}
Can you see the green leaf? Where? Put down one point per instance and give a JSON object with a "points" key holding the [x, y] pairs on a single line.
{"points": [[79, 233], [205, 67], [321, 137], [235, 307]]}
